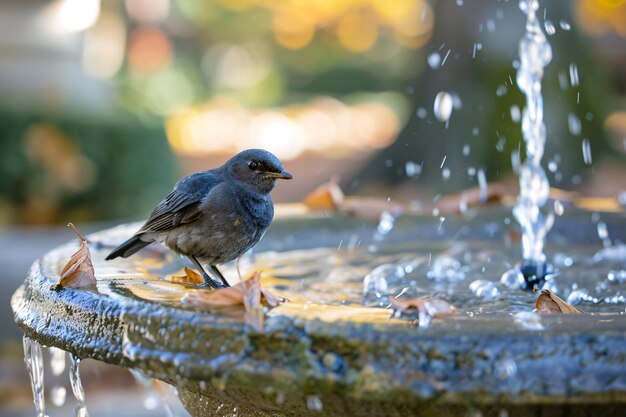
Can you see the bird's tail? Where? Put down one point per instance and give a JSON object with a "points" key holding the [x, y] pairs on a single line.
{"points": [[127, 248]]}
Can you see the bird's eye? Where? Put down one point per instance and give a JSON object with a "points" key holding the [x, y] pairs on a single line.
{"points": [[253, 165]]}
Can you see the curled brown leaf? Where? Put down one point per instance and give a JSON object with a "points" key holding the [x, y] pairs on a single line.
{"points": [[327, 196], [190, 277], [78, 272], [550, 303], [249, 293]]}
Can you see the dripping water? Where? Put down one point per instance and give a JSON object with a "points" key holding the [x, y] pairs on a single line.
{"points": [[33, 357]]}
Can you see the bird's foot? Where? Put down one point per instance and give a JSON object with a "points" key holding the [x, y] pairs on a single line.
{"points": [[211, 283]]}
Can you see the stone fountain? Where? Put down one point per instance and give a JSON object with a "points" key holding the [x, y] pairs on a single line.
{"points": [[323, 353], [334, 349]]}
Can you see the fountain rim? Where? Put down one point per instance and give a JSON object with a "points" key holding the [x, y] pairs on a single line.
{"points": [[104, 329]]}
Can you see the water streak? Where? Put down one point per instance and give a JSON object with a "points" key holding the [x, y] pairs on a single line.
{"points": [[535, 54], [33, 357], [77, 386], [57, 361]]}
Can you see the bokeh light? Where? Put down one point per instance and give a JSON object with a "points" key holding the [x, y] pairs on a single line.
{"points": [[598, 17], [149, 49], [324, 125]]}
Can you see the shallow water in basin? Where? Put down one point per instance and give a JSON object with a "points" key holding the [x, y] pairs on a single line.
{"points": [[467, 274]]}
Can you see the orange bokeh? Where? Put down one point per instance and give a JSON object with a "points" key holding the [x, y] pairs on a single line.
{"points": [[149, 49]]}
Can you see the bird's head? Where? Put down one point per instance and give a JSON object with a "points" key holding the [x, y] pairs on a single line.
{"points": [[257, 169]]}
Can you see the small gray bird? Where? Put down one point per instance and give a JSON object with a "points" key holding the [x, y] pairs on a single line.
{"points": [[214, 216]]}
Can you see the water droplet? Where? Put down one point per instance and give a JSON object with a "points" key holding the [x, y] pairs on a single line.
{"points": [[501, 90], [573, 75], [552, 166], [443, 106], [434, 60], [482, 184], [550, 284], [412, 169], [586, 146], [375, 286], [314, 403], [386, 223], [445, 173], [445, 58], [77, 386], [485, 289], [81, 411], [514, 279], [617, 277], [549, 26], [516, 114], [501, 144], [463, 207], [421, 112], [446, 268], [475, 131], [57, 395], [558, 208], [576, 296], [57, 361], [573, 123], [151, 401], [466, 150], [565, 25]]}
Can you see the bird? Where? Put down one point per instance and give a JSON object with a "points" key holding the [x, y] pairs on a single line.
{"points": [[214, 216]]}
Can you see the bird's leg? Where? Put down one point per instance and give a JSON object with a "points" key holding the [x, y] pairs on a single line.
{"points": [[208, 281], [219, 274]]}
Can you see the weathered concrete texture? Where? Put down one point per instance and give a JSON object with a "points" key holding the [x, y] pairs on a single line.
{"points": [[551, 365]]}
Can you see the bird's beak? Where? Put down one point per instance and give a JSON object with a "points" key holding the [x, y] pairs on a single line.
{"points": [[283, 175]]}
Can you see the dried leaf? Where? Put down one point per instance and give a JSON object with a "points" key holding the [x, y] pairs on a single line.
{"points": [[190, 277], [248, 293], [327, 196], [78, 272], [433, 307], [550, 303], [252, 303]]}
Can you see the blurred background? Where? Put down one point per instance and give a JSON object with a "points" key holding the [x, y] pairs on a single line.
{"points": [[104, 104]]}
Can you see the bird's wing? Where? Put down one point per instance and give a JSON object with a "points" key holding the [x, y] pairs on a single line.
{"points": [[182, 205]]}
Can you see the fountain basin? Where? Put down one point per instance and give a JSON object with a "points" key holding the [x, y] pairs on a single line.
{"points": [[338, 358]]}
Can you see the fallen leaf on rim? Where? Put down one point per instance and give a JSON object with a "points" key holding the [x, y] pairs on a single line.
{"points": [[433, 307], [252, 303], [78, 272], [190, 277], [327, 196], [550, 303], [249, 293]]}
